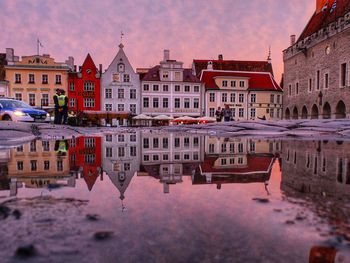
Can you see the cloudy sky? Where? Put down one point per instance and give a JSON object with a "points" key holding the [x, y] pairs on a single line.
{"points": [[191, 29]]}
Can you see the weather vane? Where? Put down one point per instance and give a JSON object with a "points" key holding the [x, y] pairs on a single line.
{"points": [[121, 36]]}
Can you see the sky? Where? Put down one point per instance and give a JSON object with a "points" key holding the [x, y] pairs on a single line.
{"points": [[190, 29]]}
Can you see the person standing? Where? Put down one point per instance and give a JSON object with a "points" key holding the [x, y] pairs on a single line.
{"points": [[58, 118], [227, 113], [218, 114], [63, 104]]}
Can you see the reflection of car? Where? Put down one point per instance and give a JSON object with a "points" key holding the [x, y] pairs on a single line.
{"points": [[16, 110]]}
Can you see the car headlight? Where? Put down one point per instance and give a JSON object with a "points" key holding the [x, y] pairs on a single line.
{"points": [[47, 114], [19, 113]]}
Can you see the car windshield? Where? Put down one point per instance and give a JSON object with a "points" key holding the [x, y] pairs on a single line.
{"points": [[14, 104]]}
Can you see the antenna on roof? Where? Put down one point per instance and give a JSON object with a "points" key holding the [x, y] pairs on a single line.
{"points": [[269, 56]]}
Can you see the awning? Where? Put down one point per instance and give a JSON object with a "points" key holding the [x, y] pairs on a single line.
{"points": [[163, 118], [142, 117]]}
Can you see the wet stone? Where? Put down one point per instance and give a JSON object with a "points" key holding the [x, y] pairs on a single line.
{"points": [[92, 217], [103, 235], [261, 200], [26, 251], [4, 212], [17, 214], [290, 222]]}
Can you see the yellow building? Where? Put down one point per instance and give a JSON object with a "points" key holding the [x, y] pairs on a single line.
{"points": [[249, 95], [34, 79]]}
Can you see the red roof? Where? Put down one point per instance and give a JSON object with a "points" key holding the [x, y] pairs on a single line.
{"points": [[324, 18], [261, 81], [255, 164], [153, 75], [232, 65]]}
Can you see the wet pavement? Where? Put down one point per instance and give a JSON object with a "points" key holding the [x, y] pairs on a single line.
{"points": [[175, 197]]}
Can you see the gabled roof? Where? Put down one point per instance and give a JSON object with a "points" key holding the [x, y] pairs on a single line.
{"points": [[153, 75], [3, 62], [324, 18], [232, 65], [260, 81]]}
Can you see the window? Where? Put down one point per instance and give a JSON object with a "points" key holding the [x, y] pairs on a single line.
{"points": [[20, 166], [121, 107], [155, 157], [31, 79], [133, 108], [223, 162], [133, 94], [224, 83], [45, 79], [18, 96], [233, 112], [318, 80], [146, 158], [343, 75], [89, 86], [326, 81], [177, 88], [165, 75], [108, 137], [165, 157], [120, 93], [126, 166], [121, 138], [272, 113], [310, 87], [195, 156], [186, 103], [232, 160], [241, 112], [33, 165], [233, 97], [145, 102], [253, 98], [155, 102], [177, 75], [121, 151], [177, 103], [109, 152], [252, 113], [133, 151], [133, 137], [177, 142], [71, 103], [278, 99], [58, 79], [18, 78], [89, 102], [177, 156], [195, 88], [241, 84], [233, 83], [46, 165], [32, 99], [240, 147], [232, 147], [71, 86], [89, 142], [211, 148], [155, 143], [145, 87], [145, 143], [211, 112], [241, 98], [196, 103], [223, 147], [186, 156], [155, 87], [45, 99], [290, 90], [165, 88], [272, 98], [46, 146], [108, 93], [165, 143], [224, 97], [186, 142], [297, 88], [165, 102], [195, 142], [240, 160], [108, 107], [126, 78], [212, 97], [187, 88]]}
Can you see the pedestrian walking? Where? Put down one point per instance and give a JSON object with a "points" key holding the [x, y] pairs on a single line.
{"points": [[227, 113], [219, 114], [58, 115]]}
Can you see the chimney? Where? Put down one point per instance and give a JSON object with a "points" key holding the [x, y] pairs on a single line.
{"points": [[10, 55], [79, 68], [70, 62], [100, 68], [221, 57], [292, 40], [166, 54], [210, 65], [46, 55]]}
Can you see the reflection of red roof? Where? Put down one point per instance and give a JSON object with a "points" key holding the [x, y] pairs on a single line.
{"points": [[232, 65], [153, 75], [90, 175], [324, 18], [154, 169], [255, 164], [257, 80]]}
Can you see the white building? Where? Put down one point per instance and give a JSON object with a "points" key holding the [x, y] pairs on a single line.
{"points": [[169, 89], [120, 87]]}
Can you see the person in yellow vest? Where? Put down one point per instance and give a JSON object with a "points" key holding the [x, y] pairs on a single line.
{"points": [[61, 147], [63, 104], [58, 115]]}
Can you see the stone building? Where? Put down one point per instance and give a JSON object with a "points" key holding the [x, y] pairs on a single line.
{"points": [[316, 66], [120, 88], [169, 89]]}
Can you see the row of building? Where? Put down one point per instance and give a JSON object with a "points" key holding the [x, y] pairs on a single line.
{"points": [[247, 87]]}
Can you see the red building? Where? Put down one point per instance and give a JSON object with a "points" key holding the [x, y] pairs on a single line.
{"points": [[85, 158], [84, 87]]}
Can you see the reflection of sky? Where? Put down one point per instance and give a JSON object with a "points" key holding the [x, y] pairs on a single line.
{"points": [[190, 29]]}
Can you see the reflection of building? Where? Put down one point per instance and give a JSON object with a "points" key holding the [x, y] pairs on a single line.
{"points": [[34, 79], [316, 167], [38, 165], [85, 158], [316, 66], [84, 87], [169, 156], [236, 160], [4, 180], [121, 158]]}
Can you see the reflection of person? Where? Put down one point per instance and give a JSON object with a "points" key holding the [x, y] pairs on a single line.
{"points": [[218, 114], [61, 147], [58, 118], [227, 113]]}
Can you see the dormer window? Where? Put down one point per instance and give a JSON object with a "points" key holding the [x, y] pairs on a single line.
{"points": [[121, 67], [165, 75], [224, 83], [241, 84]]}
